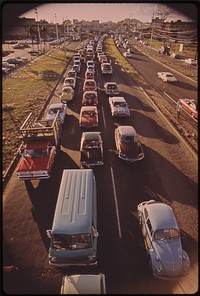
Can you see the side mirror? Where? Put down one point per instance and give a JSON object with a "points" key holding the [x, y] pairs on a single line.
{"points": [[95, 232], [48, 233], [21, 151]]}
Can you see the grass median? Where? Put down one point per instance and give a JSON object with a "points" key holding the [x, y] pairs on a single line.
{"points": [[26, 91]]}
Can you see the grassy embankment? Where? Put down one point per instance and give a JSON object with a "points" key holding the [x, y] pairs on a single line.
{"points": [[113, 51], [27, 91]]}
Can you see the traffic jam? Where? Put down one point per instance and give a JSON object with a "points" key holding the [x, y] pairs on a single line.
{"points": [[45, 140]]}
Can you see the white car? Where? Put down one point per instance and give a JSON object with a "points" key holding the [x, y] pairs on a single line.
{"points": [[83, 284], [111, 88], [162, 239], [191, 61], [67, 94], [90, 63], [166, 77], [53, 109], [70, 81], [7, 65], [106, 68], [127, 54], [91, 68], [119, 107]]}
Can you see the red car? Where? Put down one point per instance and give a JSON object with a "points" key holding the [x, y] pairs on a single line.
{"points": [[90, 97], [127, 144], [190, 106], [88, 116], [89, 84]]}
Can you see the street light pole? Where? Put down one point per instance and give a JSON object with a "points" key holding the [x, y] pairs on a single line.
{"points": [[38, 28]]}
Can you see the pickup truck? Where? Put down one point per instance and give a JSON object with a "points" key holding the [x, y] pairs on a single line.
{"points": [[40, 143], [91, 149]]}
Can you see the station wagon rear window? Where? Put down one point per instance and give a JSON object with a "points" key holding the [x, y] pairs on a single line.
{"points": [[71, 242]]}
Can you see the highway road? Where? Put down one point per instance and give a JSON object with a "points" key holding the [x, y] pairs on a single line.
{"points": [[168, 173], [148, 67]]}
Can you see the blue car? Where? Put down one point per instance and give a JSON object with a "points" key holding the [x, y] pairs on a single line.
{"points": [[162, 240]]}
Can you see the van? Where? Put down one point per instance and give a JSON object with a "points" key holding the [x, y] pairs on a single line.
{"points": [[74, 231]]}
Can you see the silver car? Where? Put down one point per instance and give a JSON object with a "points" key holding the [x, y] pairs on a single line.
{"points": [[162, 240]]}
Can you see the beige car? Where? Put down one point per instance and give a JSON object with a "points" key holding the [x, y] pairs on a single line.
{"points": [[83, 284]]}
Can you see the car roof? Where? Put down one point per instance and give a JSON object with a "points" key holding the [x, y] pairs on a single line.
{"points": [[91, 135], [127, 130], [88, 108], [56, 105], [110, 82], [86, 80], [161, 216], [118, 99]]}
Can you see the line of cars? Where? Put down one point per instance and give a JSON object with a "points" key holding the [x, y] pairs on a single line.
{"points": [[161, 233], [13, 63], [159, 227]]}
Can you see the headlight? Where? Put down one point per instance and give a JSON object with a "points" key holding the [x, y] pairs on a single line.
{"points": [[52, 258], [92, 258], [159, 269]]}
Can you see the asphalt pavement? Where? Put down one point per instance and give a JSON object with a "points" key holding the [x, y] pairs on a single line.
{"points": [[179, 65]]}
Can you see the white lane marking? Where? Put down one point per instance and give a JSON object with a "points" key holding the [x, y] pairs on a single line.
{"points": [[116, 204], [104, 119]]}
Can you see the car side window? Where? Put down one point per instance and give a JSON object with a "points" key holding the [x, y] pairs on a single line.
{"points": [[149, 226]]}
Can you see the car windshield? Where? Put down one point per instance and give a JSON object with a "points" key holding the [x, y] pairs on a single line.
{"points": [[162, 234], [169, 75], [90, 144], [89, 113], [55, 110], [119, 104], [67, 90], [71, 242], [128, 139], [90, 96], [112, 86], [35, 152]]}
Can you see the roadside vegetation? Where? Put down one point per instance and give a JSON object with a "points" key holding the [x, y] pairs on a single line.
{"points": [[113, 51], [189, 50], [26, 91]]}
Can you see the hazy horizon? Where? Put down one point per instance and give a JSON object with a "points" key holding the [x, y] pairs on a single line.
{"points": [[99, 11]]}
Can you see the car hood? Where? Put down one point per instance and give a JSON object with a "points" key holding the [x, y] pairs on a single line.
{"points": [[28, 164], [121, 109], [170, 254], [88, 120], [131, 150]]}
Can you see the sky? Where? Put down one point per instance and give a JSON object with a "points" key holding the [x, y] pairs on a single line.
{"points": [[57, 12]]}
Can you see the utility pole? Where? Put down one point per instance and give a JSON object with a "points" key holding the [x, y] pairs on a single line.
{"points": [[38, 28], [64, 40], [56, 27]]}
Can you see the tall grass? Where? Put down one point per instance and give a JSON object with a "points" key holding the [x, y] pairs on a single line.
{"points": [[27, 91]]}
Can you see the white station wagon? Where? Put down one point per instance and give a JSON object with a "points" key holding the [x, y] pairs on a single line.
{"points": [[162, 240], [119, 107], [167, 77]]}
